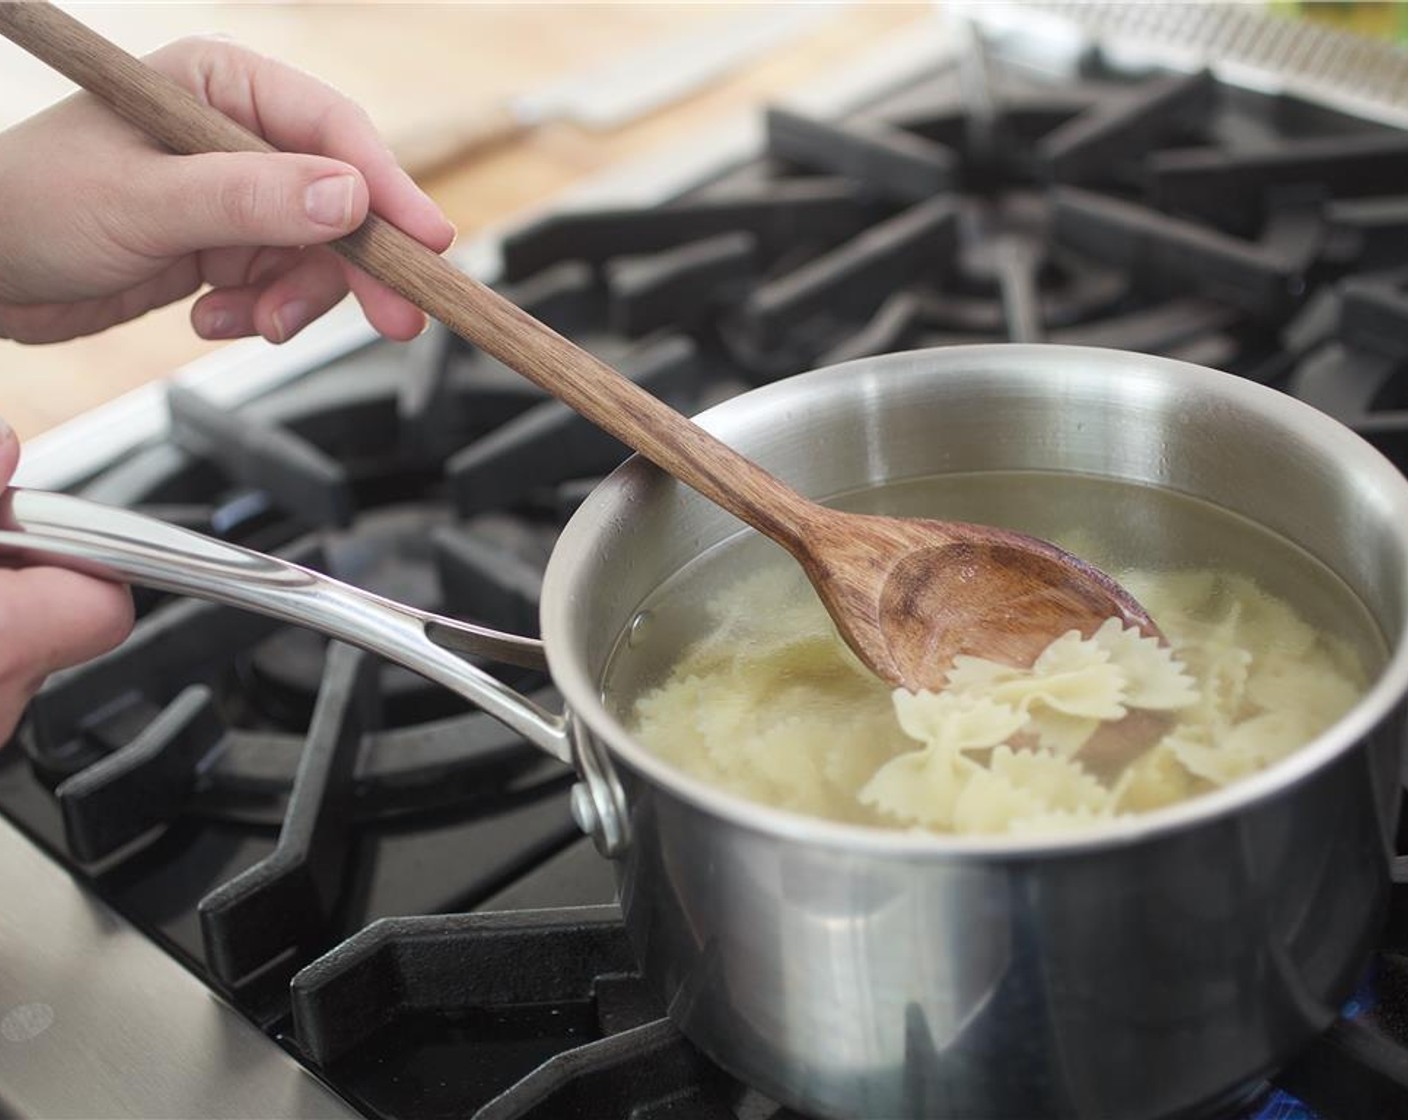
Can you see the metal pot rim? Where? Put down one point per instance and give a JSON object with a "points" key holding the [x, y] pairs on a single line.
{"points": [[582, 693]]}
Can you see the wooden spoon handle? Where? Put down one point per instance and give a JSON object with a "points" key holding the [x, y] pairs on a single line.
{"points": [[176, 118]]}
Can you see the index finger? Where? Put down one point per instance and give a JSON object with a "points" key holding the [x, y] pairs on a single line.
{"points": [[297, 112]]}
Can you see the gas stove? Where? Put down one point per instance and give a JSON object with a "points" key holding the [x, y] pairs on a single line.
{"points": [[251, 873]]}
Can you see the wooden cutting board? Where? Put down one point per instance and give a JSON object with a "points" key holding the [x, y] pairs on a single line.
{"points": [[408, 63]]}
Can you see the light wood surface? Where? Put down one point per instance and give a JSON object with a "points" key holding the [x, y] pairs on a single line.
{"points": [[406, 63]]}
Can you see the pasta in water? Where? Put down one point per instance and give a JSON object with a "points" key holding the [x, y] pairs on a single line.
{"points": [[772, 706]]}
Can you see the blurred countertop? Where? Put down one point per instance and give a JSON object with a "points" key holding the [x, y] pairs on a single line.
{"points": [[410, 65]]}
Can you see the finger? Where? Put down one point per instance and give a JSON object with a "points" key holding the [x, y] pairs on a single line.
{"points": [[239, 277], [294, 300], [178, 205], [225, 313], [329, 124], [57, 322], [297, 113], [278, 307], [392, 315], [9, 453], [61, 617], [50, 619], [243, 264]]}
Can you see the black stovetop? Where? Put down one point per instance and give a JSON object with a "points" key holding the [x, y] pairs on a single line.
{"points": [[389, 883]]}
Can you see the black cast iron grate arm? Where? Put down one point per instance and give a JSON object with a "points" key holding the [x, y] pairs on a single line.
{"points": [[1114, 133], [284, 903], [400, 966], [300, 477], [145, 783], [779, 215], [1169, 255], [882, 161], [171, 648], [679, 287], [550, 443], [1231, 186], [853, 278], [628, 1074]]}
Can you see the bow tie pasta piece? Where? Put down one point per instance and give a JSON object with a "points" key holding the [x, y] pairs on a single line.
{"points": [[1222, 673], [1217, 624], [990, 802], [1159, 778], [1060, 783], [1076, 677], [1268, 737], [1179, 596], [1155, 679], [955, 722], [1070, 676], [940, 786], [1281, 682], [1022, 785], [785, 756], [870, 740], [680, 740], [920, 787], [978, 674], [1266, 617], [923, 786], [1098, 678], [1059, 733], [1217, 763]]}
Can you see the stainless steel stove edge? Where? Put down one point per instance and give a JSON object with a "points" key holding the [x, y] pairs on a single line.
{"points": [[97, 1020]]}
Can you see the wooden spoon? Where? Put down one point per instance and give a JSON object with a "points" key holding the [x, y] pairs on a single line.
{"points": [[907, 595]]}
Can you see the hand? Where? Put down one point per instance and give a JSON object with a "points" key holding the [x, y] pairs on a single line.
{"points": [[50, 618], [101, 224]]}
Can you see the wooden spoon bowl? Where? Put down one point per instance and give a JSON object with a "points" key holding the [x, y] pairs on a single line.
{"points": [[907, 595], [910, 595]]}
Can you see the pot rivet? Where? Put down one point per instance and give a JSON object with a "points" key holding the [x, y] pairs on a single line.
{"points": [[638, 625], [584, 810]]}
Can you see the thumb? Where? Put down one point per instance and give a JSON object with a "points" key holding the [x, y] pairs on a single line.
{"points": [[223, 199], [9, 453]]}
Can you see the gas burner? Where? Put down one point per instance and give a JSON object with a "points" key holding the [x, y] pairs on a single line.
{"points": [[487, 569]]}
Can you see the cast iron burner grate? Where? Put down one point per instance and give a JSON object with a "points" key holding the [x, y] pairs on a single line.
{"points": [[388, 882]]}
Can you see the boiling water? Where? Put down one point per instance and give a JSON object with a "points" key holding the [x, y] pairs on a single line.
{"points": [[1113, 525]]}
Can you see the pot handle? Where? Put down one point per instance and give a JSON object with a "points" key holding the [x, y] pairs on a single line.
{"points": [[134, 548]]}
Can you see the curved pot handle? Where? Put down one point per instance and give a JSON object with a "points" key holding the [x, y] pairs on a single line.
{"points": [[119, 544]]}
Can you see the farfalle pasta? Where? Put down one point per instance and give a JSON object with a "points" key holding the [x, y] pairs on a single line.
{"points": [[773, 706]]}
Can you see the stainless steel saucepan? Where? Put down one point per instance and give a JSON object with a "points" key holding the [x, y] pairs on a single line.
{"points": [[848, 971]]}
